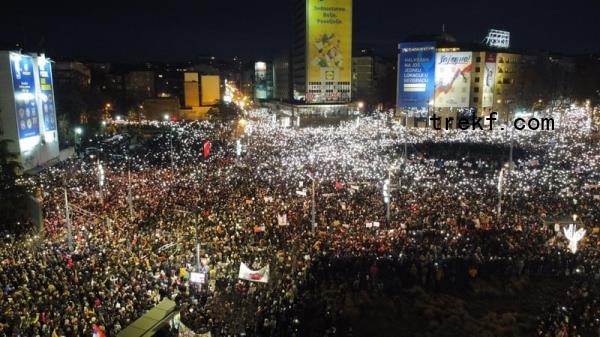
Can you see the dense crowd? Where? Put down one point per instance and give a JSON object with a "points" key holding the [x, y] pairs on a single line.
{"points": [[453, 218]]}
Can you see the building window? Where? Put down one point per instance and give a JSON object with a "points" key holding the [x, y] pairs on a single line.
{"points": [[475, 99], [476, 89], [477, 69], [476, 79], [478, 59]]}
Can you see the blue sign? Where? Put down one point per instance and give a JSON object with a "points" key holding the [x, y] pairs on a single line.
{"points": [[48, 107], [24, 91], [416, 74]]}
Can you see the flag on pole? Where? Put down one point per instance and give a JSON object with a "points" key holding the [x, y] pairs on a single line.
{"points": [[206, 149], [261, 275]]}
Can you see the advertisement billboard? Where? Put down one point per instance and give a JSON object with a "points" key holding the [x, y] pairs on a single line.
{"points": [[260, 80], [23, 80], [416, 74], [453, 79], [489, 77], [47, 94], [329, 50]]}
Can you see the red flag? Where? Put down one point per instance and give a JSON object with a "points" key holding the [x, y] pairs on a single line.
{"points": [[97, 332], [206, 149], [338, 185]]}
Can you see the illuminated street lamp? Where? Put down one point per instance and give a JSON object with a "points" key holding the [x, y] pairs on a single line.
{"points": [[386, 197], [166, 117], [500, 185], [78, 133], [429, 108], [100, 179]]}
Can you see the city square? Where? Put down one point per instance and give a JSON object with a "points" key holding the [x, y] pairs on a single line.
{"points": [[302, 195]]}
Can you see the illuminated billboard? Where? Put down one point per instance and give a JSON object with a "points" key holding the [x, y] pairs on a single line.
{"points": [[47, 94], [260, 80], [416, 74], [329, 50], [453, 79], [489, 77], [23, 80]]}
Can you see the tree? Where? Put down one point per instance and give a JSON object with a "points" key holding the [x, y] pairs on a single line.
{"points": [[12, 196]]}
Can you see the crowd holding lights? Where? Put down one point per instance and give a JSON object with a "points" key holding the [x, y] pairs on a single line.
{"points": [[135, 242]]}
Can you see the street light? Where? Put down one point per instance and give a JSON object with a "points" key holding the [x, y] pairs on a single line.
{"points": [[78, 131], [500, 183], [313, 210], [386, 196], [100, 179], [166, 117]]}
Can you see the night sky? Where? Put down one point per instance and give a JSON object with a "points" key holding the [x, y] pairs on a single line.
{"points": [[179, 30]]}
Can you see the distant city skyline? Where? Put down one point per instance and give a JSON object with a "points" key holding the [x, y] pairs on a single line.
{"points": [[179, 31]]}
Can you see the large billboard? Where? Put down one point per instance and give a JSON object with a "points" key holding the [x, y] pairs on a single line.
{"points": [[416, 69], [23, 80], [329, 50], [260, 80], [47, 94], [453, 79], [489, 77]]}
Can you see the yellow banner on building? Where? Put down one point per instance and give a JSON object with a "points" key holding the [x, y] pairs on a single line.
{"points": [[329, 42]]}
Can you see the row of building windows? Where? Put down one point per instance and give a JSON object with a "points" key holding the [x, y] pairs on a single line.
{"points": [[316, 91]]}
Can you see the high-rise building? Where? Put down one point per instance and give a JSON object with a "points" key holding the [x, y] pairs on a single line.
{"points": [[456, 80], [191, 92], [27, 109], [263, 80], [281, 76], [371, 79], [210, 86], [322, 51]]}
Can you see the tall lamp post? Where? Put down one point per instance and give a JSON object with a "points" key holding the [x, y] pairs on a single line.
{"points": [[100, 179], [500, 183], [313, 221], [68, 221]]}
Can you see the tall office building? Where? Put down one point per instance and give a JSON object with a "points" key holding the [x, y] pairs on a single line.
{"points": [[27, 109], [322, 51], [457, 80]]}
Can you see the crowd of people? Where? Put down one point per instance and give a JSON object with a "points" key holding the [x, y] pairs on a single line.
{"points": [[169, 208]]}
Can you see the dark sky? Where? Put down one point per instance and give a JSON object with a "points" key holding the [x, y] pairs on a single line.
{"points": [[171, 30]]}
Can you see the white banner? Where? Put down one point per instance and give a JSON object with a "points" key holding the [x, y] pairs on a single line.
{"points": [[197, 278], [282, 220], [261, 275]]}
